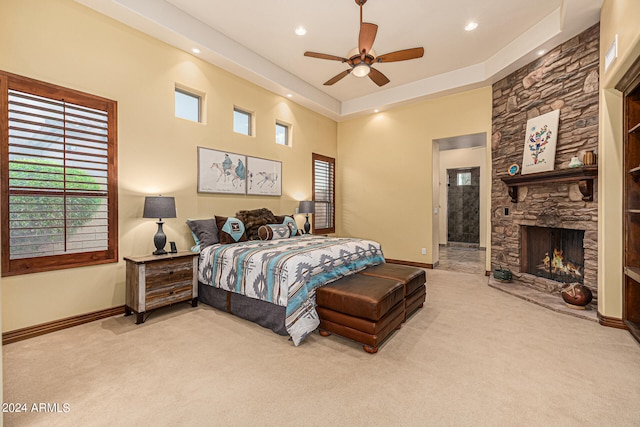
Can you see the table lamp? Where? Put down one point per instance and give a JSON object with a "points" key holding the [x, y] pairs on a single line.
{"points": [[159, 207], [307, 207]]}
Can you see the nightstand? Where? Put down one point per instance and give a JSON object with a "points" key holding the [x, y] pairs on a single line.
{"points": [[155, 281]]}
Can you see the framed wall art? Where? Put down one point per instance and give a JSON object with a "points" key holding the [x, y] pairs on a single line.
{"points": [[540, 143], [264, 177], [221, 172]]}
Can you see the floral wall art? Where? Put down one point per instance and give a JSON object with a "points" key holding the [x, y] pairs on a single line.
{"points": [[540, 143]]}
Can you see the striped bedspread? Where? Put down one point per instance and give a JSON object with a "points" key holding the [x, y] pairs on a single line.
{"points": [[286, 272]]}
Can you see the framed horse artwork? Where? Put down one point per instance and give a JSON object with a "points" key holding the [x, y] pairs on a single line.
{"points": [[221, 172], [264, 177]]}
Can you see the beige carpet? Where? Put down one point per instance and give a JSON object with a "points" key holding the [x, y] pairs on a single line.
{"points": [[474, 356]]}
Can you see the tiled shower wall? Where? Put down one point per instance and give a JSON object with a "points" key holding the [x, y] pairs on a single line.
{"points": [[463, 207]]}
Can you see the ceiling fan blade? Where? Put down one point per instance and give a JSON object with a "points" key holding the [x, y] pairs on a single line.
{"points": [[325, 56], [401, 55], [377, 77], [367, 36], [337, 78]]}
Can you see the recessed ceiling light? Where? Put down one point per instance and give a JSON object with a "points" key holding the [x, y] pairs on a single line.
{"points": [[376, 111], [289, 95], [471, 26], [301, 31], [195, 50], [541, 52]]}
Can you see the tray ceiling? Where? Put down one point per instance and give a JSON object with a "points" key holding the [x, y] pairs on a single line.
{"points": [[256, 40]]}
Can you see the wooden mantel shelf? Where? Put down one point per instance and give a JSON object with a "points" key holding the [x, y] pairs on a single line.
{"points": [[584, 175]]}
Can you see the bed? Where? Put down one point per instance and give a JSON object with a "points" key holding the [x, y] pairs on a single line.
{"points": [[273, 282]]}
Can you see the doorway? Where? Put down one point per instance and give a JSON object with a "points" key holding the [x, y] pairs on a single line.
{"points": [[466, 153], [463, 206]]}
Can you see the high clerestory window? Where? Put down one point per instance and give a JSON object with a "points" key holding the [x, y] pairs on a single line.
{"points": [[188, 105], [59, 178], [282, 133], [242, 121]]}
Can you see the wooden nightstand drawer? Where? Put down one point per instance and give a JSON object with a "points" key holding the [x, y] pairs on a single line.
{"points": [[158, 281], [162, 273], [165, 295]]}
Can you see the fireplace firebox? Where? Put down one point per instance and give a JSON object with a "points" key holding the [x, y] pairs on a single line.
{"points": [[553, 253]]}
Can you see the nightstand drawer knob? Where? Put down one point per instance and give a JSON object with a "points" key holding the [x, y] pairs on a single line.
{"points": [[171, 272], [171, 292]]}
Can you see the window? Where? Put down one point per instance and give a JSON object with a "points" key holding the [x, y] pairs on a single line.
{"points": [[324, 193], [282, 134], [464, 178], [188, 105], [59, 180], [242, 121]]}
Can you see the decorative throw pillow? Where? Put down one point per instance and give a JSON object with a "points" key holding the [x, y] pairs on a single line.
{"points": [[254, 219], [274, 232], [290, 222], [204, 232], [230, 230]]}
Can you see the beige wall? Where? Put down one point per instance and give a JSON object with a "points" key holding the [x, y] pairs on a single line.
{"points": [[463, 158], [617, 17], [384, 169], [62, 42]]}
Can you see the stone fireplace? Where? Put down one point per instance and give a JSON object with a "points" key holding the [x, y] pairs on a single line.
{"points": [[533, 218], [553, 253], [535, 230]]}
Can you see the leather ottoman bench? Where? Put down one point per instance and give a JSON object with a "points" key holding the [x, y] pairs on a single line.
{"points": [[414, 280], [365, 309]]}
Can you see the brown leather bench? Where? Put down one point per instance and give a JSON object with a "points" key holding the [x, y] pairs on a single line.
{"points": [[414, 280], [365, 309]]}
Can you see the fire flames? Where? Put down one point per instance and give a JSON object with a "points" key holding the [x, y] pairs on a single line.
{"points": [[558, 265]]}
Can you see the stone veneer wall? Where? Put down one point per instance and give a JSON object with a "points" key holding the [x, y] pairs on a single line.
{"points": [[566, 78]]}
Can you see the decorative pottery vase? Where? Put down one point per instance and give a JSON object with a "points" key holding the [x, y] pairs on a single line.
{"points": [[575, 162], [589, 158], [576, 295]]}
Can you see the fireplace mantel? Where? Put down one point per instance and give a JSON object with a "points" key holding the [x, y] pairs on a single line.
{"points": [[584, 175]]}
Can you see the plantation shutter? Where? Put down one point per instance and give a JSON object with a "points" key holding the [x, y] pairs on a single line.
{"points": [[324, 193], [59, 159]]}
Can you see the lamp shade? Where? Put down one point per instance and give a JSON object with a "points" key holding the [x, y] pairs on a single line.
{"points": [[307, 207], [159, 207]]}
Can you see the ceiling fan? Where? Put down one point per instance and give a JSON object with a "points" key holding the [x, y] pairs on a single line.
{"points": [[361, 59]]}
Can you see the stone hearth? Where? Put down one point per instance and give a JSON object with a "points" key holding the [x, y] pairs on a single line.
{"points": [[544, 299]]}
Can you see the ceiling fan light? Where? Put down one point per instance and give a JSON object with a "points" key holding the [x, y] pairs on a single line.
{"points": [[361, 70]]}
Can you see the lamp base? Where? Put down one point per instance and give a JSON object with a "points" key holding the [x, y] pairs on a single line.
{"points": [[307, 226], [159, 240]]}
